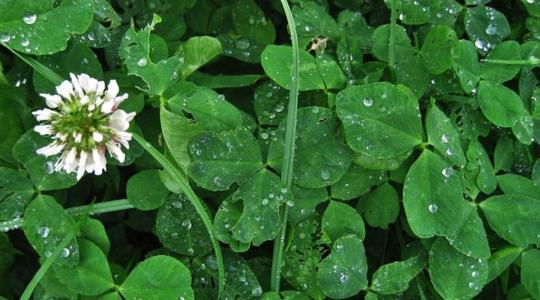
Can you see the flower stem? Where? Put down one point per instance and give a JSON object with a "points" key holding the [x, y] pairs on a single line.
{"points": [[192, 196], [92, 209], [46, 266], [288, 150]]}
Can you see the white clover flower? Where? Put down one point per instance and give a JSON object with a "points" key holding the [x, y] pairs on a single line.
{"points": [[84, 122]]}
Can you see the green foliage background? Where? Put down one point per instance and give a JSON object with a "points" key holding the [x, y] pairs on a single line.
{"points": [[416, 171]]}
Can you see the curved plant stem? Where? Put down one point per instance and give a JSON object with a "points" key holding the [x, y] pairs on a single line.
{"points": [[92, 209], [391, 45], [288, 151], [46, 266], [197, 203]]}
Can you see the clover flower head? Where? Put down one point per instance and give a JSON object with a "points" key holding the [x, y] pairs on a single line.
{"points": [[84, 122]]}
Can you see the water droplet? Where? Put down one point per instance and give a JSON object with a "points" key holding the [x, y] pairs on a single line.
{"points": [[290, 203], [471, 285], [256, 291], [29, 18], [444, 138], [187, 224], [433, 208], [43, 232], [25, 42], [368, 101], [325, 175], [142, 62], [491, 29], [50, 167], [447, 172], [242, 44], [283, 190], [264, 201], [343, 278], [264, 135], [449, 152], [479, 44], [4, 38], [475, 274], [65, 252], [176, 204], [280, 107]]}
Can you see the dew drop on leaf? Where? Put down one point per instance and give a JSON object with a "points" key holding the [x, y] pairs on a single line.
{"points": [[43, 232], [444, 138], [242, 44], [187, 224], [25, 42], [491, 30], [4, 38], [142, 62], [325, 175], [30, 18], [368, 102], [343, 278], [433, 208], [447, 172], [65, 252]]}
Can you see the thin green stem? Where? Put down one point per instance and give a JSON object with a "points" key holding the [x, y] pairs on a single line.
{"points": [[46, 266], [92, 209], [525, 62], [288, 150], [192, 196], [391, 44]]}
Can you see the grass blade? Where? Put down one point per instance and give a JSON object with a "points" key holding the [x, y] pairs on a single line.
{"points": [[39, 67], [197, 203], [46, 266], [288, 153]]}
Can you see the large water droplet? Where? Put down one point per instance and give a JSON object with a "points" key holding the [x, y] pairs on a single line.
{"points": [[187, 224], [491, 29], [343, 278], [65, 252], [475, 274], [43, 232], [142, 62], [242, 44], [368, 101], [433, 208], [325, 175], [25, 42], [30, 18], [479, 44], [444, 138], [447, 172], [4, 38]]}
